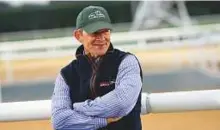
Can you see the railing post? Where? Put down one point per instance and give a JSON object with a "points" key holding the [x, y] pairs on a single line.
{"points": [[0, 92], [8, 67]]}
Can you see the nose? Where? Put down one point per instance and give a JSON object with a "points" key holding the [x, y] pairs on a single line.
{"points": [[100, 36]]}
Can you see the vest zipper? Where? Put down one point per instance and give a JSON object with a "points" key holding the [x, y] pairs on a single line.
{"points": [[92, 84], [95, 67], [93, 77]]}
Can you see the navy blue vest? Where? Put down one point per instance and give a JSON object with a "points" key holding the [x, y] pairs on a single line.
{"points": [[88, 82]]}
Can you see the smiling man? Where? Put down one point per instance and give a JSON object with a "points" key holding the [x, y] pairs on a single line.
{"points": [[101, 88]]}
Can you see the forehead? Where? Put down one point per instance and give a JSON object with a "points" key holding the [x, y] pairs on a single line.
{"points": [[102, 30], [99, 31]]}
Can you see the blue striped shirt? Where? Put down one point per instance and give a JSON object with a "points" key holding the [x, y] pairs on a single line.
{"points": [[92, 114]]}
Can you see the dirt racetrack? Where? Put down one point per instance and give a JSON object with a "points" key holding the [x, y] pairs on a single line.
{"points": [[201, 120], [151, 60]]}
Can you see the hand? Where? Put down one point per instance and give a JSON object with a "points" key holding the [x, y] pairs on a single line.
{"points": [[111, 120]]}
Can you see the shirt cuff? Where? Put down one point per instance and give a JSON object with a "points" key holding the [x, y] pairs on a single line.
{"points": [[101, 122]]}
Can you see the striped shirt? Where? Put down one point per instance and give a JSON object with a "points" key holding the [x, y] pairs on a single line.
{"points": [[92, 114]]}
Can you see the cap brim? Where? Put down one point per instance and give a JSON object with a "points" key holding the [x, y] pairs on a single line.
{"points": [[96, 26]]}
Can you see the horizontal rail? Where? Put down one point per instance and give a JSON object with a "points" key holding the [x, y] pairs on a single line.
{"points": [[151, 103], [164, 34]]}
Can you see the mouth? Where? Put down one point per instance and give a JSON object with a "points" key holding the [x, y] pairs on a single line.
{"points": [[99, 44]]}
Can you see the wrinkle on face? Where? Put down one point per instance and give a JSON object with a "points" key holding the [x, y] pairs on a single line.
{"points": [[96, 44]]}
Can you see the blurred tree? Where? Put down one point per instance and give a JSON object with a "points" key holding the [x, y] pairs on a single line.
{"points": [[4, 6], [203, 7], [63, 13], [57, 15]]}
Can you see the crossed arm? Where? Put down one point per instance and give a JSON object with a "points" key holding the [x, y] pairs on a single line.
{"points": [[122, 99], [64, 118], [92, 114]]}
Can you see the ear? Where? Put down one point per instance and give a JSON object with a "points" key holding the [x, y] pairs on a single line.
{"points": [[77, 34]]}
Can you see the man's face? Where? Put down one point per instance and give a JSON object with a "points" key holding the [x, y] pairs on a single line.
{"points": [[95, 44]]}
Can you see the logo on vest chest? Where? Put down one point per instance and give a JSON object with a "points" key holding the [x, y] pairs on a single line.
{"points": [[106, 83]]}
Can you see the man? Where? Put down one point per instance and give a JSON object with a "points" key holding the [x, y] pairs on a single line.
{"points": [[101, 88]]}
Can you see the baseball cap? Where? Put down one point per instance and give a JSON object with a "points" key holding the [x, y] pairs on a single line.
{"points": [[93, 18]]}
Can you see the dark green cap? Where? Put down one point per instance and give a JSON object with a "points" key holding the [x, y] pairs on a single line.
{"points": [[93, 18]]}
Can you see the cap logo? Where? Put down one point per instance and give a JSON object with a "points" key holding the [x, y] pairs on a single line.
{"points": [[96, 14]]}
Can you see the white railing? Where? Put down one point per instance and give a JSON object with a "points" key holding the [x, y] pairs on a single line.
{"points": [[140, 40], [154, 103], [149, 39]]}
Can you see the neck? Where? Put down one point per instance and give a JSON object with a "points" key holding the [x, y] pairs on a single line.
{"points": [[94, 57], [91, 55]]}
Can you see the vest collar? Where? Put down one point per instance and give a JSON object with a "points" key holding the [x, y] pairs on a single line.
{"points": [[80, 50]]}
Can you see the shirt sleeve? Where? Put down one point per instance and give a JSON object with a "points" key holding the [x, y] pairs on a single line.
{"points": [[63, 117], [120, 101]]}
